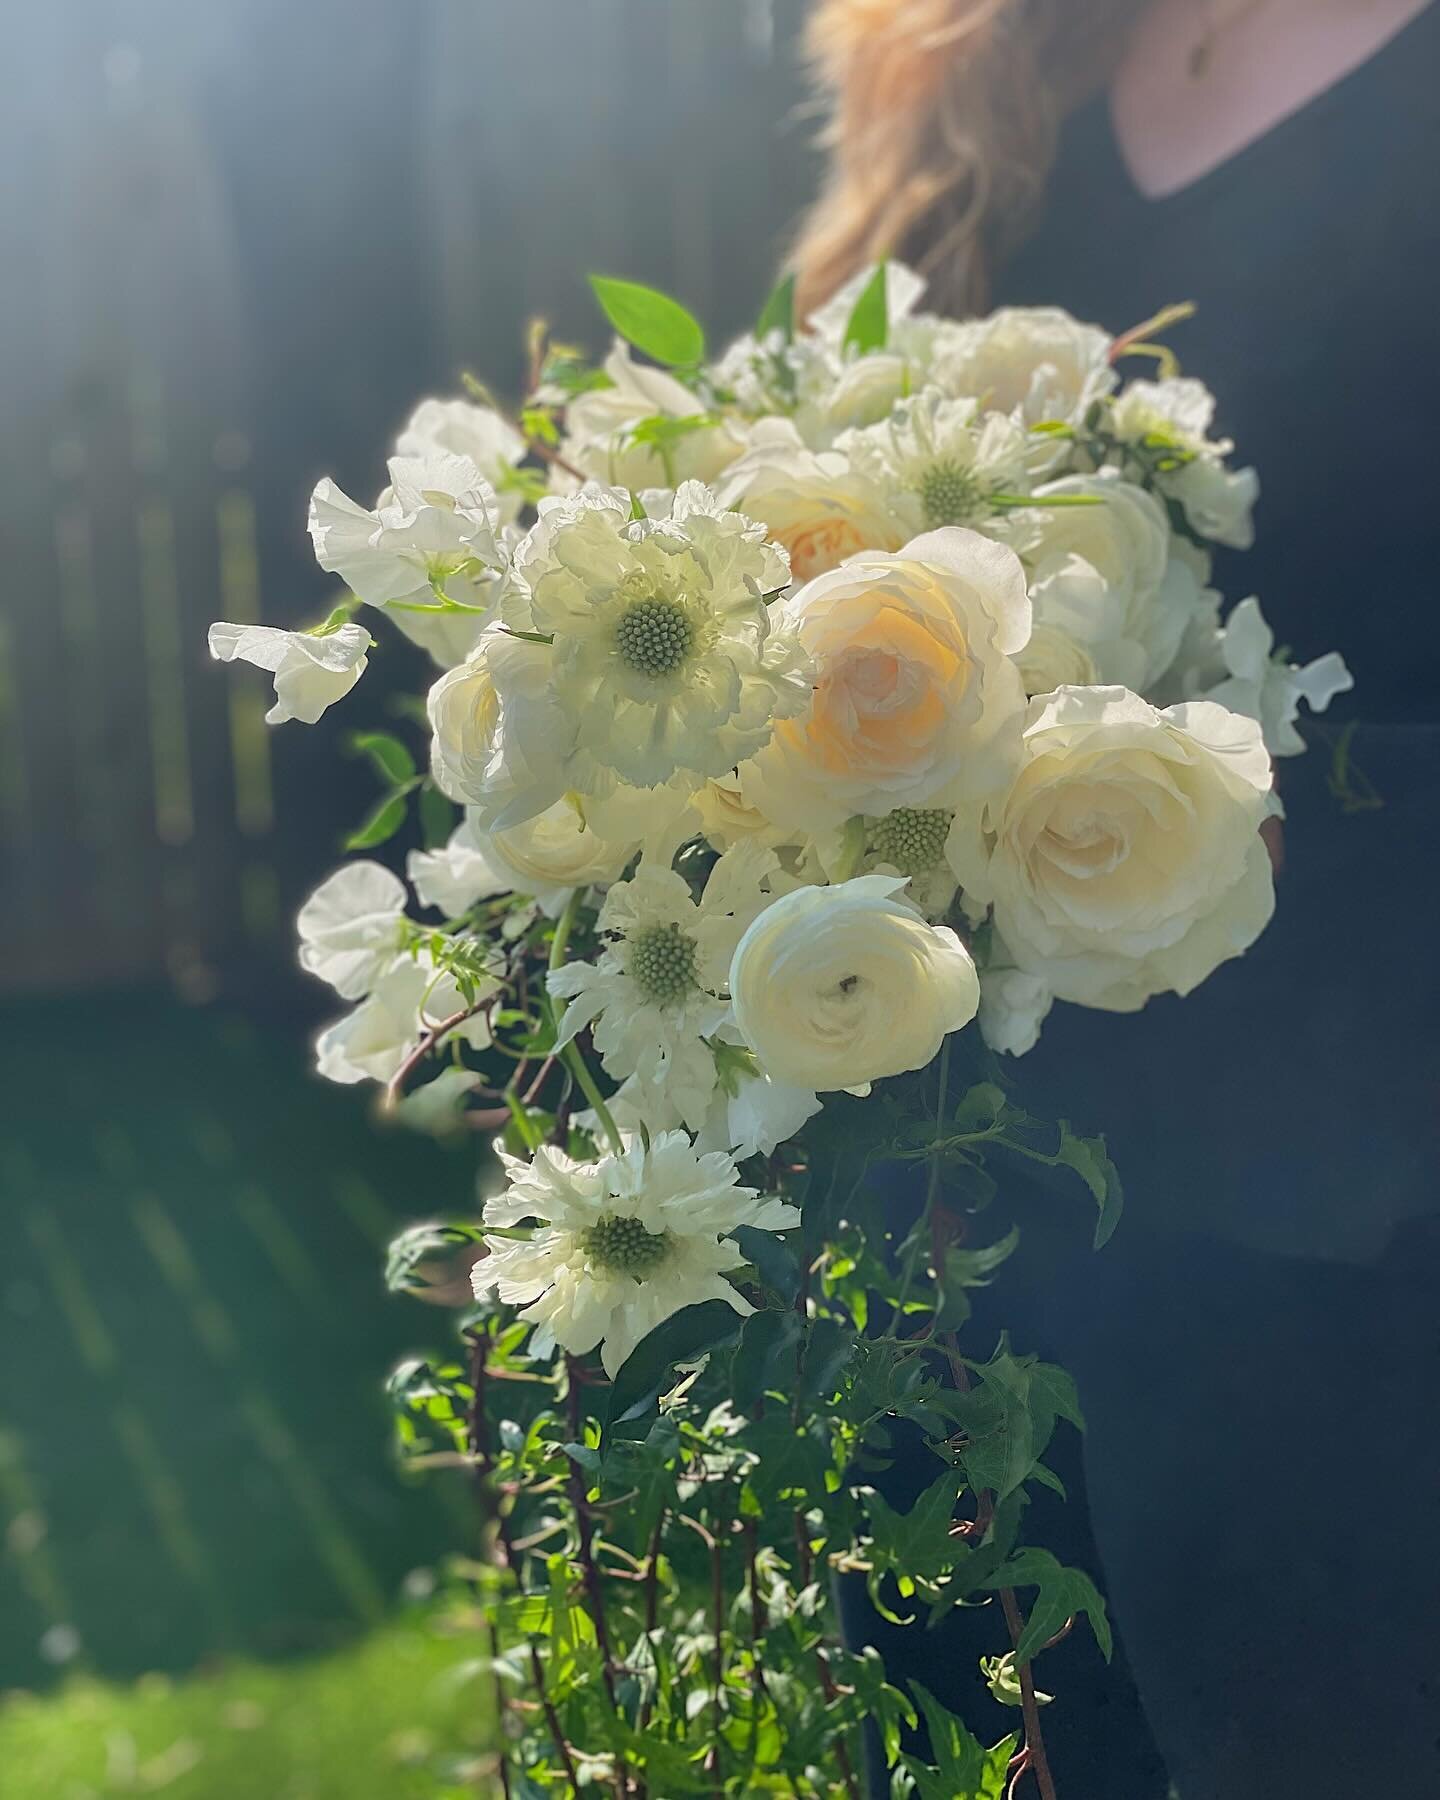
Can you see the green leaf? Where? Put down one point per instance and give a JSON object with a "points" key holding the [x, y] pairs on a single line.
{"points": [[379, 825], [766, 1357], [651, 321], [869, 323], [964, 1269], [828, 1349], [1061, 1594], [772, 1259], [1091, 1162], [966, 1770], [778, 312], [683, 1337], [390, 757], [437, 816]]}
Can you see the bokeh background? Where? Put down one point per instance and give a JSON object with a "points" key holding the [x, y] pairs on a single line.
{"points": [[238, 241]]}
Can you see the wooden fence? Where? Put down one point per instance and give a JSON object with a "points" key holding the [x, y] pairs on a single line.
{"points": [[237, 241]]}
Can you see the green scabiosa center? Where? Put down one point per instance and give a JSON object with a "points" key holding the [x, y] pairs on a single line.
{"points": [[661, 961], [654, 636], [625, 1246], [949, 493], [912, 838]]}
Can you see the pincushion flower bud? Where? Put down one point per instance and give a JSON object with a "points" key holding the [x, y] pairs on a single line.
{"points": [[836, 987]]}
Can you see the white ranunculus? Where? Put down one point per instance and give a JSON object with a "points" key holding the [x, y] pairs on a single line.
{"points": [[462, 428], [1103, 574], [311, 672], [499, 739], [665, 657], [621, 1243], [814, 504], [1126, 860], [351, 927], [916, 701], [598, 427], [1269, 691], [1035, 362], [433, 529], [1013, 1007], [835, 987]]}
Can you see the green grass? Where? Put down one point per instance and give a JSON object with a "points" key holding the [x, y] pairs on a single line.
{"points": [[357, 1725]]}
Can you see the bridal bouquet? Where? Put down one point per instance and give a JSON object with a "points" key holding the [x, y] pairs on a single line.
{"points": [[808, 722]]}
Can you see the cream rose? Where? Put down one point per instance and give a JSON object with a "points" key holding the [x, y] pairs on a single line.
{"points": [[836, 987], [1034, 361], [916, 702], [815, 505], [598, 426], [1126, 860]]}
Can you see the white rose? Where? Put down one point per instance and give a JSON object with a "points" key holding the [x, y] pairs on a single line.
{"points": [[1013, 1007], [350, 927], [835, 987], [498, 738], [310, 672], [1103, 573], [1036, 362], [916, 701], [1126, 860], [553, 853]]}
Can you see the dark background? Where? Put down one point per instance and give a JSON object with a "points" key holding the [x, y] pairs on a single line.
{"points": [[238, 241]]}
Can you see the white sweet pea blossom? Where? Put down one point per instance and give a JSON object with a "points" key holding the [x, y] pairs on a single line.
{"points": [[1270, 691], [664, 658], [599, 427], [433, 529], [658, 992], [1101, 573], [619, 1244], [1126, 860], [311, 671], [938, 461], [463, 428], [1013, 1007], [916, 701], [455, 876], [408, 1000], [352, 926], [836, 987], [1178, 413]]}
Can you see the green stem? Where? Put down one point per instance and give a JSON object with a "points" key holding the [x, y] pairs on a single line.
{"points": [[571, 1055]]}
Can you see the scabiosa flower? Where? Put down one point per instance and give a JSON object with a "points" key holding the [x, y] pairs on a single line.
{"points": [[620, 1244], [938, 461], [657, 992], [663, 650]]}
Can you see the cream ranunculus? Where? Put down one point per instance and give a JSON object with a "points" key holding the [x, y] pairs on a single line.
{"points": [[916, 701], [836, 987], [1036, 362], [1126, 860]]}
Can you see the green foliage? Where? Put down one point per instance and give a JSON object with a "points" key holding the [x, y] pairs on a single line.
{"points": [[395, 766], [654, 323], [778, 312], [963, 1769], [868, 327]]}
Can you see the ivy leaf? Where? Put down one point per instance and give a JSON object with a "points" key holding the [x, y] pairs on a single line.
{"points": [[772, 1259], [963, 1269], [766, 1357], [1062, 1593], [1091, 1162], [379, 825], [828, 1349], [965, 1769], [650, 320], [778, 312], [393, 761], [919, 1543], [869, 323], [684, 1337]]}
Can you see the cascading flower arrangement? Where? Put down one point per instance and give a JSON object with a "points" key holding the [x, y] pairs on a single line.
{"points": [[820, 716]]}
